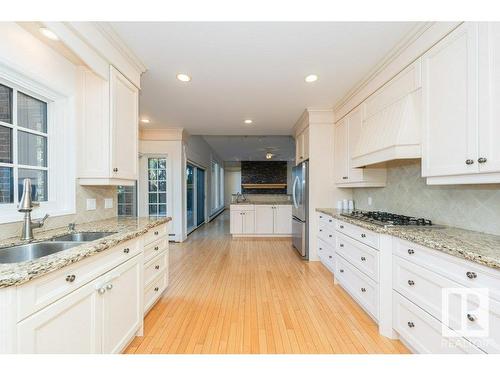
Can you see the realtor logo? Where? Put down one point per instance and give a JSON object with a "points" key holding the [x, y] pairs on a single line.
{"points": [[465, 312]]}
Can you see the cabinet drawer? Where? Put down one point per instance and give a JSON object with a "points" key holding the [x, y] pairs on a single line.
{"points": [[423, 332], [327, 233], [155, 233], [154, 248], [154, 267], [361, 287], [154, 290], [41, 292], [365, 236], [326, 254], [363, 257], [461, 271], [325, 219], [242, 207]]}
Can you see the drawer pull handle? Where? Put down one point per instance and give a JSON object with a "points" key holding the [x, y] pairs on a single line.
{"points": [[321, 230], [363, 259], [363, 235], [156, 233], [341, 227], [321, 248], [330, 256], [471, 317], [411, 324], [341, 271], [469, 162], [330, 235], [482, 160], [330, 220], [411, 251], [341, 245], [156, 248], [126, 250], [363, 290], [471, 275], [411, 282], [157, 289], [70, 278], [157, 267]]}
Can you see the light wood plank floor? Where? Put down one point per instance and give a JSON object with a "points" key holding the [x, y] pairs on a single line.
{"points": [[253, 296]]}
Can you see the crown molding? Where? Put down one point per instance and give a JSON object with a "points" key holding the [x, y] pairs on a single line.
{"points": [[164, 134]]}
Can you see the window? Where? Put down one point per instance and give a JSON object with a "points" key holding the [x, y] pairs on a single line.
{"points": [[157, 186], [127, 200], [217, 186], [23, 145]]}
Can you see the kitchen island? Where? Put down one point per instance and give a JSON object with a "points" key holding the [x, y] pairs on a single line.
{"points": [[261, 219]]}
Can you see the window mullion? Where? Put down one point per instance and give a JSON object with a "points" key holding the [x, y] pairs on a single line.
{"points": [[15, 171]]}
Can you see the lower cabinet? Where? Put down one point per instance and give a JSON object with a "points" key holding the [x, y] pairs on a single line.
{"points": [[261, 220], [242, 220], [100, 317]]}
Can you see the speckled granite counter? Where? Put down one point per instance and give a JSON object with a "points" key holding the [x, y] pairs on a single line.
{"points": [[477, 247], [270, 203], [126, 228]]}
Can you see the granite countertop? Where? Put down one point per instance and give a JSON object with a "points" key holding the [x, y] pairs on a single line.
{"points": [[270, 203], [126, 228], [475, 246]]}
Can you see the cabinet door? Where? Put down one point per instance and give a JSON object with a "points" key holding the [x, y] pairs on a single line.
{"points": [[70, 325], [305, 144], [489, 97], [122, 305], [450, 104], [355, 123], [283, 219], [341, 151], [236, 222], [264, 219], [249, 222], [124, 126], [299, 149]]}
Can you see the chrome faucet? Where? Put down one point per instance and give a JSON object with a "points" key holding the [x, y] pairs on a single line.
{"points": [[238, 196], [26, 205]]}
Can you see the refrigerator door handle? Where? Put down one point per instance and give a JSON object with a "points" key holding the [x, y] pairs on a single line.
{"points": [[294, 191]]}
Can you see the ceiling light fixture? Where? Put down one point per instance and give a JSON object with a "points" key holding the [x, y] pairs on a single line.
{"points": [[269, 155], [48, 33], [248, 121], [145, 121], [183, 77], [311, 78]]}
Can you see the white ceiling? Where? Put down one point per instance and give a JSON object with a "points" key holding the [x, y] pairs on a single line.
{"points": [[238, 148], [251, 70]]}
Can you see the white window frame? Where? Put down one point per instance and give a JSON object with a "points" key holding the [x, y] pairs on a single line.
{"points": [[60, 147]]}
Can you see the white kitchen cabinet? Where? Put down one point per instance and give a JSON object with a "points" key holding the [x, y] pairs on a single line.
{"points": [[122, 305], [283, 219], [302, 146], [108, 135], [242, 219], [346, 134], [460, 83], [264, 215]]}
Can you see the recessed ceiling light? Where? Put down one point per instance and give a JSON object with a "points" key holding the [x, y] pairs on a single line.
{"points": [[311, 78], [248, 121], [48, 33], [145, 121], [183, 77]]}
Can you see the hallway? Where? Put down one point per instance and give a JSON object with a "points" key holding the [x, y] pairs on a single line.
{"points": [[253, 296]]}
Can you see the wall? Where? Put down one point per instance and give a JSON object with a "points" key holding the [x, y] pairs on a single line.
{"points": [[232, 185], [475, 207]]}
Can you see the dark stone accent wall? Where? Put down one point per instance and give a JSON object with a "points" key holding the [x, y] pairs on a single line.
{"points": [[263, 172]]}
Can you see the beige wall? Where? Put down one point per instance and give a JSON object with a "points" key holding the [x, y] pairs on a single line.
{"points": [[475, 207]]}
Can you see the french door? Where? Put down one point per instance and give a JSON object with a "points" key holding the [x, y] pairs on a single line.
{"points": [[195, 197]]}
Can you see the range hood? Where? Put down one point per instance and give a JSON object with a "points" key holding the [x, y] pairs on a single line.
{"points": [[393, 133]]}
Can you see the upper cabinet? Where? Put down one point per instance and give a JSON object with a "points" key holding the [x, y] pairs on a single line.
{"points": [[302, 146], [108, 135], [346, 135], [460, 94]]}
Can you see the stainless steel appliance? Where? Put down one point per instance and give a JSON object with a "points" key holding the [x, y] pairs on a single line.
{"points": [[388, 219], [300, 198]]}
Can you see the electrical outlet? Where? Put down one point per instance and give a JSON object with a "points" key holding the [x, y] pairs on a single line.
{"points": [[370, 201], [108, 202], [91, 204]]}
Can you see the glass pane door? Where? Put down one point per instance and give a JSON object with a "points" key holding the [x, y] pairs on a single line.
{"points": [[190, 201], [157, 186], [200, 196]]}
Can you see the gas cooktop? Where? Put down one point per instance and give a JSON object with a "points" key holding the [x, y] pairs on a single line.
{"points": [[387, 219]]}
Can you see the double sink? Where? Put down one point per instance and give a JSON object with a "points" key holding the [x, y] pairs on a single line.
{"points": [[31, 251]]}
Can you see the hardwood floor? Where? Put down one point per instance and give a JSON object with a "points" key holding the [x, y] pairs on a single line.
{"points": [[253, 296]]}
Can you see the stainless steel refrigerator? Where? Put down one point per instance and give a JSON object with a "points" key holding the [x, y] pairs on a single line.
{"points": [[300, 199]]}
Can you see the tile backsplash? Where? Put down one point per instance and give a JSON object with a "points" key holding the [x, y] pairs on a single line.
{"points": [[475, 207], [81, 216]]}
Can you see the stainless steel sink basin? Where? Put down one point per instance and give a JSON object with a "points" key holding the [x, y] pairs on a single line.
{"points": [[32, 251], [83, 236]]}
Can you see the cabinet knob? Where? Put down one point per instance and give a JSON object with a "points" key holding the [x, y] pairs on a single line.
{"points": [[156, 233], [341, 271], [70, 278], [411, 251], [157, 267], [157, 289], [101, 291], [330, 236], [156, 248], [411, 282], [482, 160], [471, 275], [344, 178], [321, 230], [469, 162], [411, 324], [330, 256], [363, 290], [126, 250], [471, 317], [363, 259], [109, 286], [341, 227], [115, 169], [341, 245], [330, 220]]}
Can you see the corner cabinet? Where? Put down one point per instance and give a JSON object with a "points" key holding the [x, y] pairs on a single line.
{"points": [[108, 131], [460, 91], [346, 134]]}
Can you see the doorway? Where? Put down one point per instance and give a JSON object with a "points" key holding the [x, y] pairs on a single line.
{"points": [[195, 197]]}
